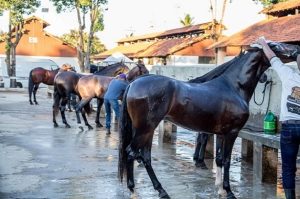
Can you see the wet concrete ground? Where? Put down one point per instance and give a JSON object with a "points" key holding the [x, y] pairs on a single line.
{"points": [[40, 161]]}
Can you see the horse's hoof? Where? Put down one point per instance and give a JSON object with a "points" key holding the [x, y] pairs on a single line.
{"points": [[81, 129], [99, 125], [68, 126], [130, 186], [31, 103], [230, 195], [55, 125], [90, 127], [163, 194], [36, 103], [201, 165]]}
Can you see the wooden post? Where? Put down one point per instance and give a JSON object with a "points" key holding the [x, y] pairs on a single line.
{"points": [[247, 149], [166, 128], [265, 161], [209, 151]]}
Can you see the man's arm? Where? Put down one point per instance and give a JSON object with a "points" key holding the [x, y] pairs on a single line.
{"points": [[267, 50]]}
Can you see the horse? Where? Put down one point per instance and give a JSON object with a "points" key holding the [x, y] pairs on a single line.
{"points": [[219, 106], [65, 84], [95, 86], [41, 75]]}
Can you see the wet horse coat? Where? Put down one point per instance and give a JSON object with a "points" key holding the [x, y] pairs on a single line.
{"points": [[95, 86], [65, 84], [219, 106]]}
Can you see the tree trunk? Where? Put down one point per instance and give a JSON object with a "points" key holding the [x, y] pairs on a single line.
{"points": [[13, 80], [90, 37], [80, 45]]}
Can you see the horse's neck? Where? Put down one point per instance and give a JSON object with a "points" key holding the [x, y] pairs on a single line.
{"points": [[245, 75]]}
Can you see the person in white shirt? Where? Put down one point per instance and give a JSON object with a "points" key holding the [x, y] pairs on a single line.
{"points": [[289, 117]]}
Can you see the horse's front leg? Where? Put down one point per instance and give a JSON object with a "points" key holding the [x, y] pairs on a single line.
{"points": [[99, 105], [219, 163], [35, 88], [229, 140]]}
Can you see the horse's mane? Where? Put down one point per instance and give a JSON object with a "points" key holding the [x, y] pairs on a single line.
{"points": [[109, 68], [217, 71]]}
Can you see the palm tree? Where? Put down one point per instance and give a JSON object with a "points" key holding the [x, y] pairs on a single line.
{"points": [[187, 20]]}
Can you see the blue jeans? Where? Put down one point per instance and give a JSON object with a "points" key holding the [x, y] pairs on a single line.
{"points": [[289, 143], [108, 104]]}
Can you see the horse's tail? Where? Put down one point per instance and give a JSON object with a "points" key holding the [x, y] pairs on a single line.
{"points": [[56, 101], [125, 133], [30, 84]]}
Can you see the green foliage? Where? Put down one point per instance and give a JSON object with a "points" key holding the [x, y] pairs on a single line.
{"points": [[72, 38], [267, 3], [187, 20]]}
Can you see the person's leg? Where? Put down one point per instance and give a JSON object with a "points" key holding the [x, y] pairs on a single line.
{"points": [[289, 150], [115, 105], [108, 115]]}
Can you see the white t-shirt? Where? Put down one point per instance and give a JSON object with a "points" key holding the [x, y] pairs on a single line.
{"points": [[290, 94]]}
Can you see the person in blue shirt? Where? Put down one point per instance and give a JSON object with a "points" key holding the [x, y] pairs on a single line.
{"points": [[115, 91]]}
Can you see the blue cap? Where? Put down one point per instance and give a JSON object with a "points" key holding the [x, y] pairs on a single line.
{"points": [[122, 75]]}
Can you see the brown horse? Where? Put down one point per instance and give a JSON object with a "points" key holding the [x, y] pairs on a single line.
{"points": [[41, 75], [95, 86], [219, 106], [65, 84]]}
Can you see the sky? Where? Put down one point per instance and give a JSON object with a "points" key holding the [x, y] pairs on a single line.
{"points": [[146, 16]]}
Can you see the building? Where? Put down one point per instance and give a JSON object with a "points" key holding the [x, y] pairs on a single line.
{"points": [[282, 24], [37, 48], [186, 45]]}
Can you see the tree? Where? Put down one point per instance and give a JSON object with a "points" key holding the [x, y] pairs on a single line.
{"points": [[266, 3], [71, 38], [16, 9], [187, 20], [82, 8]]}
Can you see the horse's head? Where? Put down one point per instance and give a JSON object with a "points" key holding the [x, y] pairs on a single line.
{"points": [[67, 67], [138, 70], [286, 52]]}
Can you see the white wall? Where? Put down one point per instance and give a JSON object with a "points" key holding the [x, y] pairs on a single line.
{"points": [[26, 63]]}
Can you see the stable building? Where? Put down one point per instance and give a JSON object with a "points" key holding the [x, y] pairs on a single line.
{"points": [[186, 45], [37, 48], [282, 24]]}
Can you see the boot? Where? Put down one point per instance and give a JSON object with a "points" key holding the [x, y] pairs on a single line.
{"points": [[108, 132], [290, 193]]}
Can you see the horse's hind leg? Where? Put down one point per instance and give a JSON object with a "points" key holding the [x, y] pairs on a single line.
{"points": [[79, 107], [62, 111], [99, 105], [35, 88], [146, 158], [200, 150]]}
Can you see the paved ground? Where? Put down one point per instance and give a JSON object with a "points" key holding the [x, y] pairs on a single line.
{"points": [[40, 161]]}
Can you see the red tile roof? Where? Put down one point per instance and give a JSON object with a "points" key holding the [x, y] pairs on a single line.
{"points": [[167, 47], [182, 30], [282, 29], [128, 50], [282, 6]]}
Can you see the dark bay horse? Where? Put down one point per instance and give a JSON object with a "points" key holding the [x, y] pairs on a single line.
{"points": [[95, 86], [41, 75], [219, 106], [65, 84]]}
